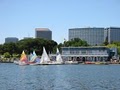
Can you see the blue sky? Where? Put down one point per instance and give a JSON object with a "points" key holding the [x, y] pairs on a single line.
{"points": [[19, 18]]}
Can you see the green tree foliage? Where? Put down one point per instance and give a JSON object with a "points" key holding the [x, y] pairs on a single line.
{"points": [[1, 49], [15, 55], [76, 42], [28, 45], [115, 45], [106, 41], [9, 47], [36, 44], [7, 55]]}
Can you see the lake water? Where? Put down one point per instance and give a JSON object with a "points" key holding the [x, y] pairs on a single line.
{"points": [[59, 77]]}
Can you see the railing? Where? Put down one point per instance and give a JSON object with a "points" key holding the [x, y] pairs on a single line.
{"points": [[85, 53]]}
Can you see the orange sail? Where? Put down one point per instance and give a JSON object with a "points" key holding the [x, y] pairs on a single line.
{"points": [[23, 57]]}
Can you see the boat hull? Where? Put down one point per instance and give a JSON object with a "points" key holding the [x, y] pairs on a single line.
{"points": [[71, 62]]}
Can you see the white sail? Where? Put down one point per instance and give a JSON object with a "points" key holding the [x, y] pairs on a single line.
{"points": [[44, 58], [58, 57]]}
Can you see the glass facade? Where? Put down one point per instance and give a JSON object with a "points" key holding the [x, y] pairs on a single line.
{"points": [[93, 36]]}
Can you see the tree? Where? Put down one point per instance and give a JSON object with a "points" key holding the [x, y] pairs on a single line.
{"points": [[28, 45], [1, 49], [115, 45], [76, 42], [36, 44], [10, 47], [7, 55], [106, 41]]}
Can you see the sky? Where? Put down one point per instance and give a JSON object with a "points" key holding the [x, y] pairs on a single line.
{"points": [[19, 18]]}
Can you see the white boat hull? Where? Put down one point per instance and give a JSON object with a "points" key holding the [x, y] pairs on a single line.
{"points": [[22, 63], [16, 62], [71, 62]]}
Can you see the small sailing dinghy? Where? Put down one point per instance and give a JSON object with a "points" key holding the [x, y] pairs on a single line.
{"points": [[45, 60], [59, 60], [34, 60], [23, 59]]}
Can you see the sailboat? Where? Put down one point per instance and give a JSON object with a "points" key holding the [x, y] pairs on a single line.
{"points": [[59, 59], [34, 60], [23, 59], [33, 56], [45, 60]]}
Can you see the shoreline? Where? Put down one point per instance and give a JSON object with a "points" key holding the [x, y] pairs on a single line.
{"points": [[96, 63]]}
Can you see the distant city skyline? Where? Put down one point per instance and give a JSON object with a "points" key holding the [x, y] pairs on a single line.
{"points": [[19, 18]]}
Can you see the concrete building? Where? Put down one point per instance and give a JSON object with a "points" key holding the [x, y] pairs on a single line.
{"points": [[95, 36], [11, 39], [93, 54], [43, 33], [113, 34], [28, 37]]}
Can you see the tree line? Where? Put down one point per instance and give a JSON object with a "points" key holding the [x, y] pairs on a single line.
{"points": [[28, 45], [36, 44]]}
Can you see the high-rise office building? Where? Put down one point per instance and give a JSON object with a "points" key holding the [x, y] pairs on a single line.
{"points": [[11, 39], [113, 34], [95, 35], [43, 33]]}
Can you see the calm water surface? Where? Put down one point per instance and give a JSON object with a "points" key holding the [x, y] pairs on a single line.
{"points": [[59, 77]]}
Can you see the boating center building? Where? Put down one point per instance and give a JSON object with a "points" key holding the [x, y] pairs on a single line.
{"points": [[82, 54]]}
